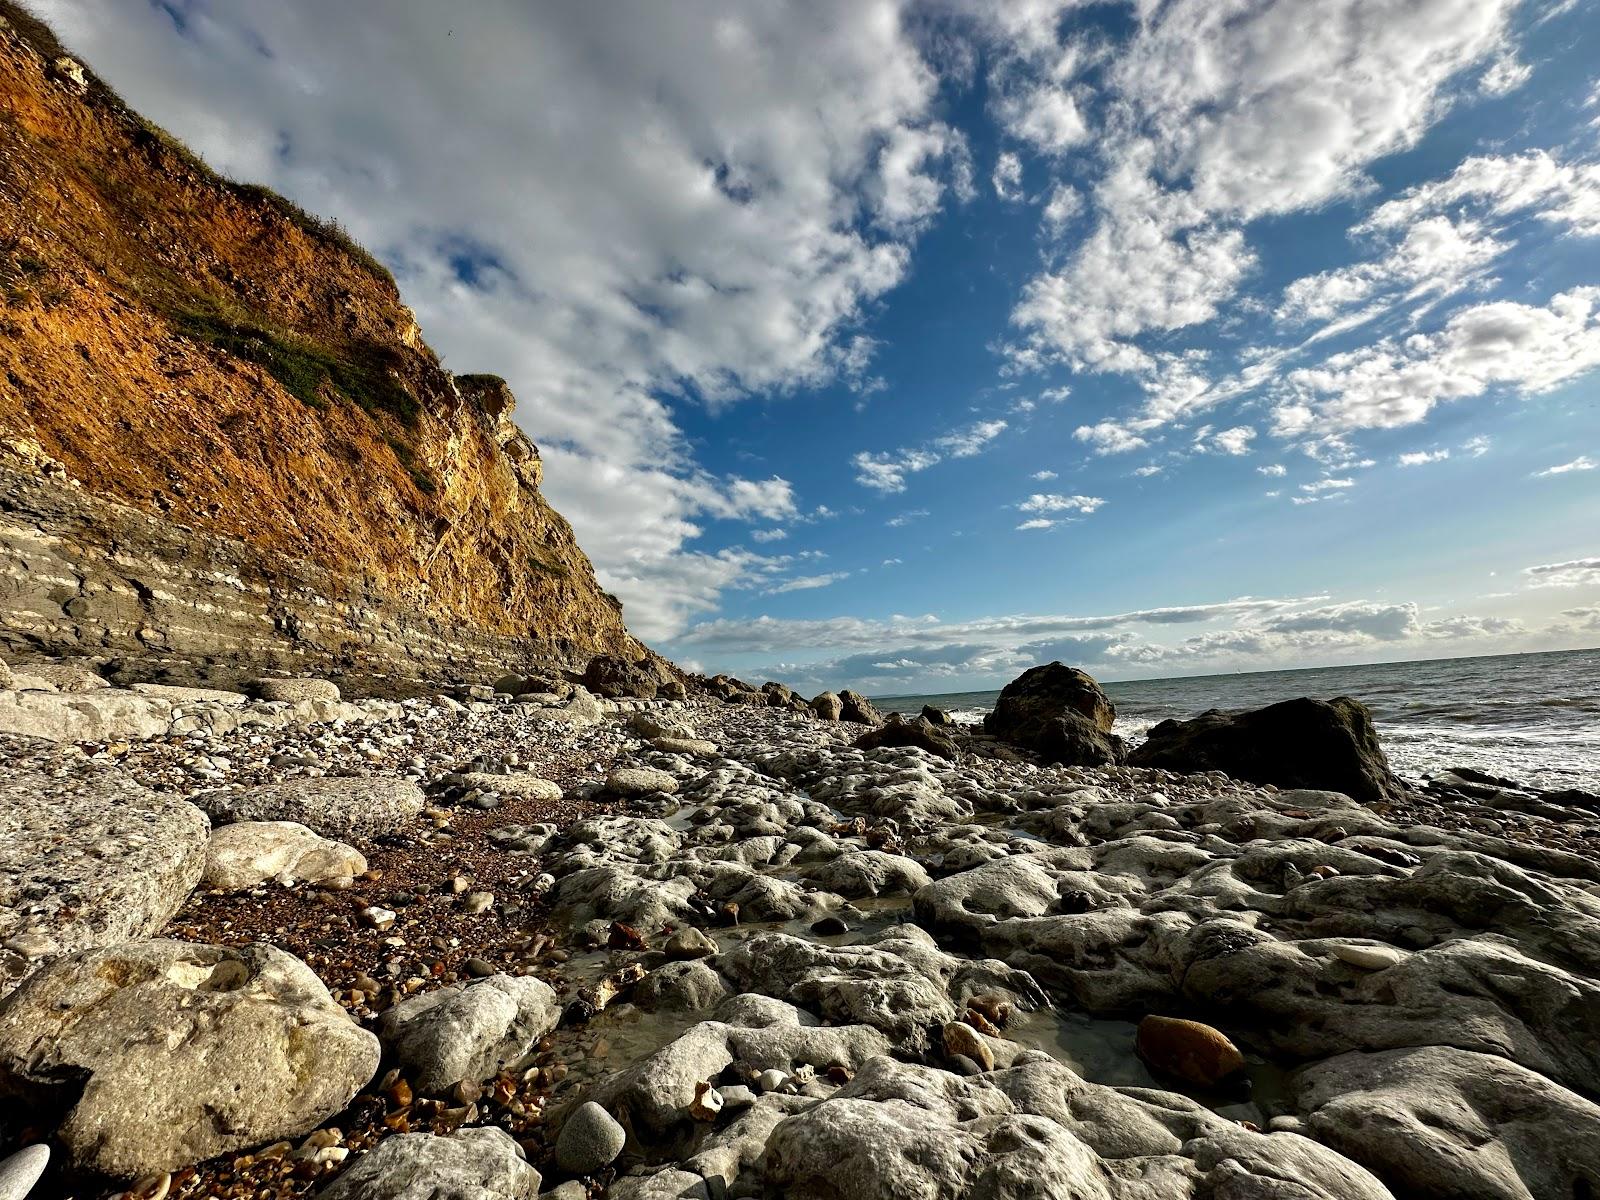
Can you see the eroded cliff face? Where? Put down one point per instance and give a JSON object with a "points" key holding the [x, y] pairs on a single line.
{"points": [[202, 383]]}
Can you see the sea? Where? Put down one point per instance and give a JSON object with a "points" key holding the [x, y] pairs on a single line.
{"points": [[1533, 718]]}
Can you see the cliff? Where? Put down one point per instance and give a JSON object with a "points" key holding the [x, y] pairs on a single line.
{"points": [[223, 441]]}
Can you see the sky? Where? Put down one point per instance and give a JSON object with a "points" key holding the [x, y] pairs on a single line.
{"points": [[904, 345]]}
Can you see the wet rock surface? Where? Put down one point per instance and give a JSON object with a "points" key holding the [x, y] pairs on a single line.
{"points": [[799, 967]]}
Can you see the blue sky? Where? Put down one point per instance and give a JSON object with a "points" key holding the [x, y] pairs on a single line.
{"points": [[906, 344]]}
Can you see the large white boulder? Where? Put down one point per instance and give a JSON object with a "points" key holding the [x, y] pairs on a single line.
{"points": [[89, 860], [166, 1053], [338, 808]]}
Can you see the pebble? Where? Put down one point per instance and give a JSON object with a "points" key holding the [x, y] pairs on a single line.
{"points": [[590, 1138], [477, 902], [478, 968], [771, 1079], [962, 1040], [1369, 958]]}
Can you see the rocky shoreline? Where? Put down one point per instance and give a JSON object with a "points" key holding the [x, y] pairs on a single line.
{"points": [[702, 948]]}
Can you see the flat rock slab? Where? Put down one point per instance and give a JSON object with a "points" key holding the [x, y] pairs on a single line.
{"points": [[167, 1053], [190, 695], [99, 716], [89, 860], [337, 808], [640, 781]]}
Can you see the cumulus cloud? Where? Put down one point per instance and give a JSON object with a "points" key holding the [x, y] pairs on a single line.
{"points": [[1043, 476], [1577, 572], [886, 470], [1275, 470], [1053, 502], [806, 583], [1582, 463], [1536, 183], [1421, 458], [1007, 177], [1525, 348]]}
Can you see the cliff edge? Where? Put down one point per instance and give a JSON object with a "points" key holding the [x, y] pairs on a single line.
{"points": [[223, 441]]}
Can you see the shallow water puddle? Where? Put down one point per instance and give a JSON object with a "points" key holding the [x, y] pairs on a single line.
{"points": [[1101, 1050]]}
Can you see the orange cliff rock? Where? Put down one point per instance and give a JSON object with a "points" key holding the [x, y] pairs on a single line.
{"points": [[223, 441]]}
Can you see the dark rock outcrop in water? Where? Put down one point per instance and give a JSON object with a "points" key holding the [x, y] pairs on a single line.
{"points": [[1060, 713], [1304, 743]]}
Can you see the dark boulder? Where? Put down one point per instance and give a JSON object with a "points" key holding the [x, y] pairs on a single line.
{"points": [[857, 708], [1325, 744], [897, 731], [827, 706], [780, 695], [612, 676], [1060, 713], [936, 716]]}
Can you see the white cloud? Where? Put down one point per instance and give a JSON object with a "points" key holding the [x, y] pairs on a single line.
{"points": [[1397, 382], [1476, 447], [1535, 182], [769, 535], [1108, 437], [1577, 572], [1052, 502], [1146, 471], [1037, 523], [1276, 470], [1007, 177], [1043, 476], [1235, 441], [1504, 76], [1582, 463], [886, 470], [1065, 202], [806, 583], [905, 518], [1421, 458]]}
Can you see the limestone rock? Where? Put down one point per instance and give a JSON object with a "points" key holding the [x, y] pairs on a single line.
{"points": [[248, 853], [482, 1163], [590, 1138], [827, 706], [694, 747], [640, 781], [685, 986], [1031, 1131], [897, 731], [295, 690], [333, 807], [856, 707], [1323, 744], [469, 1031], [89, 860], [650, 726], [67, 677], [168, 1053], [1060, 713], [521, 785], [869, 873], [1446, 1124]]}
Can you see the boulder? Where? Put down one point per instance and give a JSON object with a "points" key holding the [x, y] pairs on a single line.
{"points": [[649, 726], [1060, 713], [1322, 744], [897, 731], [469, 1031], [1439, 1123], [856, 707], [612, 676], [590, 1138], [294, 691], [167, 1053], [827, 706], [87, 861], [693, 747], [936, 716], [779, 694], [340, 808], [248, 853], [482, 1163], [20, 1171]]}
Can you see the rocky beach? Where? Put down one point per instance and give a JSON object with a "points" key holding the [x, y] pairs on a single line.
{"points": [[561, 944]]}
